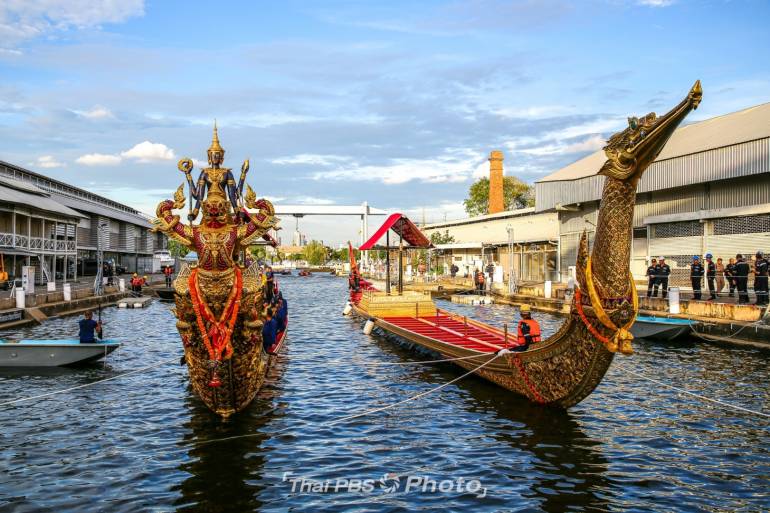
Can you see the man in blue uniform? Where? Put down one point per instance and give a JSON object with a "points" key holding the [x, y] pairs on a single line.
{"points": [[663, 273], [742, 279], [711, 275], [269, 330], [652, 276], [696, 277], [761, 279], [87, 328]]}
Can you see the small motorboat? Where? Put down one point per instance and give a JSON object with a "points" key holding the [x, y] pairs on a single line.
{"points": [[305, 272], [165, 294], [285, 272], [52, 353], [661, 328]]}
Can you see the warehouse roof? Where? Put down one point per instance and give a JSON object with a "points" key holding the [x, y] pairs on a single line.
{"points": [[734, 128], [70, 196], [17, 191]]}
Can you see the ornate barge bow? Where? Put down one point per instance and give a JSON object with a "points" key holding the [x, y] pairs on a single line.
{"points": [[219, 301], [568, 366]]}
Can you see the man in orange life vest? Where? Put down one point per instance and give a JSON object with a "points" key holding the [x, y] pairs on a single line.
{"points": [[529, 330]]}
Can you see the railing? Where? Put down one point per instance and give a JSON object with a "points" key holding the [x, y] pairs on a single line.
{"points": [[43, 244]]}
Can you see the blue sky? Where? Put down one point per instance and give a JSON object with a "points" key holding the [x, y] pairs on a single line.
{"points": [[396, 103]]}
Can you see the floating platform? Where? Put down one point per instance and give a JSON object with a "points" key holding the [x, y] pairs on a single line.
{"points": [[135, 302], [472, 299]]}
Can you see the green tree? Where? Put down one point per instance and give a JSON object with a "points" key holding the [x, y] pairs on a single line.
{"points": [[516, 194], [258, 252], [177, 249], [315, 253], [442, 238]]}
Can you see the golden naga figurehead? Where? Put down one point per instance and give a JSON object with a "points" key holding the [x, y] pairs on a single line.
{"points": [[630, 152]]}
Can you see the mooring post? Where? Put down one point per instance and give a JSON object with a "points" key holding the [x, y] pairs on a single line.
{"points": [[505, 333], [465, 320]]}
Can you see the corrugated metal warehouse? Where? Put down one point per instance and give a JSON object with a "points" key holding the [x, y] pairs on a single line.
{"points": [[708, 191], [58, 227]]}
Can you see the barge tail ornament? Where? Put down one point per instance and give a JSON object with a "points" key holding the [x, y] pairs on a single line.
{"points": [[219, 302]]}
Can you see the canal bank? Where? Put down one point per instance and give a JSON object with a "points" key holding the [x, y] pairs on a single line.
{"points": [[719, 322], [40, 306]]}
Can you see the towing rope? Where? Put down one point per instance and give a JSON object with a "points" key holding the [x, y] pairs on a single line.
{"points": [[56, 392], [698, 396]]}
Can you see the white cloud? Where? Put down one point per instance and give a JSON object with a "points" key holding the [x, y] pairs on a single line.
{"points": [[149, 152], [22, 20], [591, 143], [455, 165], [312, 160], [144, 152], [533, 112], [598, 126], [97, 112], [47, 162], [311, 200], [444, 211], [99, 159], [655, 3]]}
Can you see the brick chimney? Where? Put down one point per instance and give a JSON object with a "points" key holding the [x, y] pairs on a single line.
{"points": [[496, 203]]}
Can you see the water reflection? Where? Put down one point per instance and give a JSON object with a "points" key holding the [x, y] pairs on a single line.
{"points": [[227, 475]]}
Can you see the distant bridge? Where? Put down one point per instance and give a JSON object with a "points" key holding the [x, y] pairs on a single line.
{"points": [[363, 211]]}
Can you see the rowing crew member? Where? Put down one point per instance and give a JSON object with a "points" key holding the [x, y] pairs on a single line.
{"points": [[529, 330], [87, 328], [269, 329]]}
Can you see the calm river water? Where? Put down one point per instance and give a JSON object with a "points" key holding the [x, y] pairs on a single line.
{"points": [[145, 443]]}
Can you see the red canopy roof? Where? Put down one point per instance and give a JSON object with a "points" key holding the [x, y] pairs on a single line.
{"points": [[403, 227]]}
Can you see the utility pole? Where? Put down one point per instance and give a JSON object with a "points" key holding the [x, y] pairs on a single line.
{"points": [[511, 274]]}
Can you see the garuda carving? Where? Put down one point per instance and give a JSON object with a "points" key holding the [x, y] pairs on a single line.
{"points": [[219, 301]]}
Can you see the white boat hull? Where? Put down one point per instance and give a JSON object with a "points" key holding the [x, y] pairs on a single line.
{"points": [[660, 328], [41, 353]]}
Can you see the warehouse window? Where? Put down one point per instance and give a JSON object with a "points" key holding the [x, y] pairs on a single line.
{"points": [[746, 224], [680, 229]]}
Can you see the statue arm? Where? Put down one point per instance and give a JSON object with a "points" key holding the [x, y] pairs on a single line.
{"points": [[168, 223], [258, 223]]}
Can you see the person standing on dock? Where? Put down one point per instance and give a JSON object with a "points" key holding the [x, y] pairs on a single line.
{"points": [[730, 276], [87, 328], [696, 277], [453, 271], [761, 279], [742, 279], [491, 273], [711, 275], [652, 277], [720, 276], [528, 331], [664, 270], [168, 272], [480, 282]]}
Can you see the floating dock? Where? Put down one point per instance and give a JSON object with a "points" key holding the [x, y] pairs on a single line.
{"points": [[134, 302], [472, 299]]}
